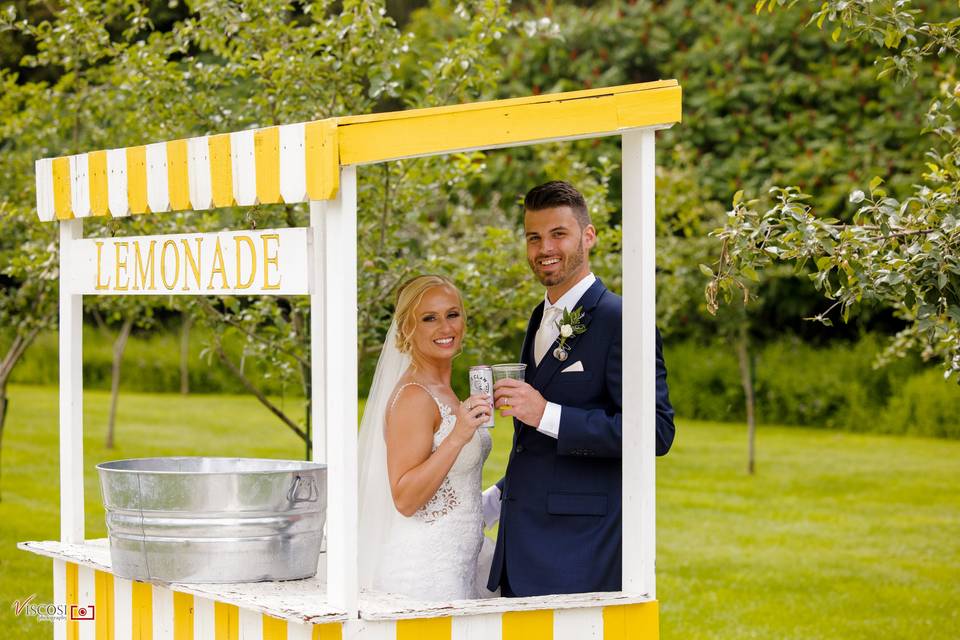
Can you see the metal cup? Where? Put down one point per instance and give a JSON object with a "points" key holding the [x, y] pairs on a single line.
{"points": [[481, 383]]}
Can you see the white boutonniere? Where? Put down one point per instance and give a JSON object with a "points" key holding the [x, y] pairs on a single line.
{"points": [[570, 325]]}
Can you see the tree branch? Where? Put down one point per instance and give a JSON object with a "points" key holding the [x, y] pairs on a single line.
{"points": [[222, 355], [209, 308]]}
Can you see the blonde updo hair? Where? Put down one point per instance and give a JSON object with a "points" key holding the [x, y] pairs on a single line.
{"points": [[409, 296]]}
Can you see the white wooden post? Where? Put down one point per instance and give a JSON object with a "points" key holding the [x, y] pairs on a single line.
{"points": [[318, 377], [639, 363], [71, 393], [337, 250]]}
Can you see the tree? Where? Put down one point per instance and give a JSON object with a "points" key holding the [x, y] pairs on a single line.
{"points": [[28, 295], [254, 64], [897, 252]]}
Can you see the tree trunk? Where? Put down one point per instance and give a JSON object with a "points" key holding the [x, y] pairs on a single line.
{"points": [[185, 353], [746, 379], [119, 346], [17, 348], [300, 327], [3, 420]]}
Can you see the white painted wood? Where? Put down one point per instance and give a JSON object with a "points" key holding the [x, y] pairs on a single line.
{"points": [[244, 168], [383, 606], [158, 193], [44, 169], [370, 630], [340, 312], [79, 186], [299, 631], [198, 171], [251, 623], [485, 627], [204, 618], [117, 200], [71, 392], [59, 597], [162, 603], [578, 624], [639, 363], [293, 163], [318, 385], [86, 596], [261, 262], [123, 609]]}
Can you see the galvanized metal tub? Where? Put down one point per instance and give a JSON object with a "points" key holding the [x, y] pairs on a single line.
{"points": [[214, 519]]}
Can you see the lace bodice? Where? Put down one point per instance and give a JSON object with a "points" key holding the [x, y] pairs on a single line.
{"points": [[432, 555]]}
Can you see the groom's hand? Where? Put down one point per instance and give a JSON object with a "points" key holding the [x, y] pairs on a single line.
{"points": [[522, 401]]}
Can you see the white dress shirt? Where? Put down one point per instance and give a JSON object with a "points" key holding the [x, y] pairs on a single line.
{"points": [[550, 422]]}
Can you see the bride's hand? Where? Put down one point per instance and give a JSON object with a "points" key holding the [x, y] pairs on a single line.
{"points": [[471, 413]]}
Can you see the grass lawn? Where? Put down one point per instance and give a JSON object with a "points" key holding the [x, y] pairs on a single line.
{"points": [[838, 536]]}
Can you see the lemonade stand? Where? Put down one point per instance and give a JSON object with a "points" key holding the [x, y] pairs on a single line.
{"points": [[317, 162]]}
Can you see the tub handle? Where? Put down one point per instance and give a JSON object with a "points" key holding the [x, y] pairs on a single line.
{"points": [[303, 490]]}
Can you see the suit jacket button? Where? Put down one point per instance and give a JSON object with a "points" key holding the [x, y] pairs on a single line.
{"points": [[519, 448]]}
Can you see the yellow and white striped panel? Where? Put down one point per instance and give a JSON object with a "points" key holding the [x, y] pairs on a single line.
{"points": [[290, 163], [130, 610]]}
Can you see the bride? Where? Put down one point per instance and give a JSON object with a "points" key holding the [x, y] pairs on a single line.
{"points": [[421, 456]]}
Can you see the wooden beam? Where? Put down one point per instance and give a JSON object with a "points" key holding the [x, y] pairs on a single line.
{"points": [[494, 124]]}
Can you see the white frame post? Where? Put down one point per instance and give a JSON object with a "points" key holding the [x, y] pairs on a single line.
{"points": [[318, 374], [71, 393], [639, 362], [338, 350]]}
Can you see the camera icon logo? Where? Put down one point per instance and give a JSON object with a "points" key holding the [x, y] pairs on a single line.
{"points": [[82, 612]]}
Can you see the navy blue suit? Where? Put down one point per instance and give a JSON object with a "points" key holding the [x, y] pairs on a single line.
{"points": [[560, 517]]}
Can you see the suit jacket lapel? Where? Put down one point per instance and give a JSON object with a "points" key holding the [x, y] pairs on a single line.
{"points": [[550, 365]]}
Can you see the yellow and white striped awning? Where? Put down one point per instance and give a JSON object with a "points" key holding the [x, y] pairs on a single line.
{"points": [[301, 162]]}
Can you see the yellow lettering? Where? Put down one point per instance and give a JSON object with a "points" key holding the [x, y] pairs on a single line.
{"points": [[100, 285], [270, 259], [120, 266], [253, 261], [190, 261], [141, 269], [163, 264], [218, 260]]}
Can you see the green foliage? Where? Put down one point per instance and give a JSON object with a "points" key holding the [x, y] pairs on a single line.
{"points": [[901, 252], [764, 100], [227, 66], [924, 405], [153, 356], [797, 384]]}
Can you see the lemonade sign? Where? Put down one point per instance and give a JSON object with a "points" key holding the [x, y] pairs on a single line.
{"points": [[268, 262]]}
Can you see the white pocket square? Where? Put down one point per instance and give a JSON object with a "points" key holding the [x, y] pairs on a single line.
{"points": [[576, 366]]}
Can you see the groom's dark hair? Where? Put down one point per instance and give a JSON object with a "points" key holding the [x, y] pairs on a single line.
{"points": [[558, 193]]}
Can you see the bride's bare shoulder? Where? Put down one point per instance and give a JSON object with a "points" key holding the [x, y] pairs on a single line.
{"points": [[411, 402]]}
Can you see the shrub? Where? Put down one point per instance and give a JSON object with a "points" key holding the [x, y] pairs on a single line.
{"points": [[833, 387], [924, 405]]}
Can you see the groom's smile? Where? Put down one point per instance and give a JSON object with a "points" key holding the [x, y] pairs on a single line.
{"points": [[557, 248]]}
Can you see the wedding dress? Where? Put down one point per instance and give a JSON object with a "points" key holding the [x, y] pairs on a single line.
{"points": [[433, 554], [440, 552]]}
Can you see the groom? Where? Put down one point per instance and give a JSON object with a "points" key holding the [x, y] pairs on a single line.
{"points": [[559, 501]]}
